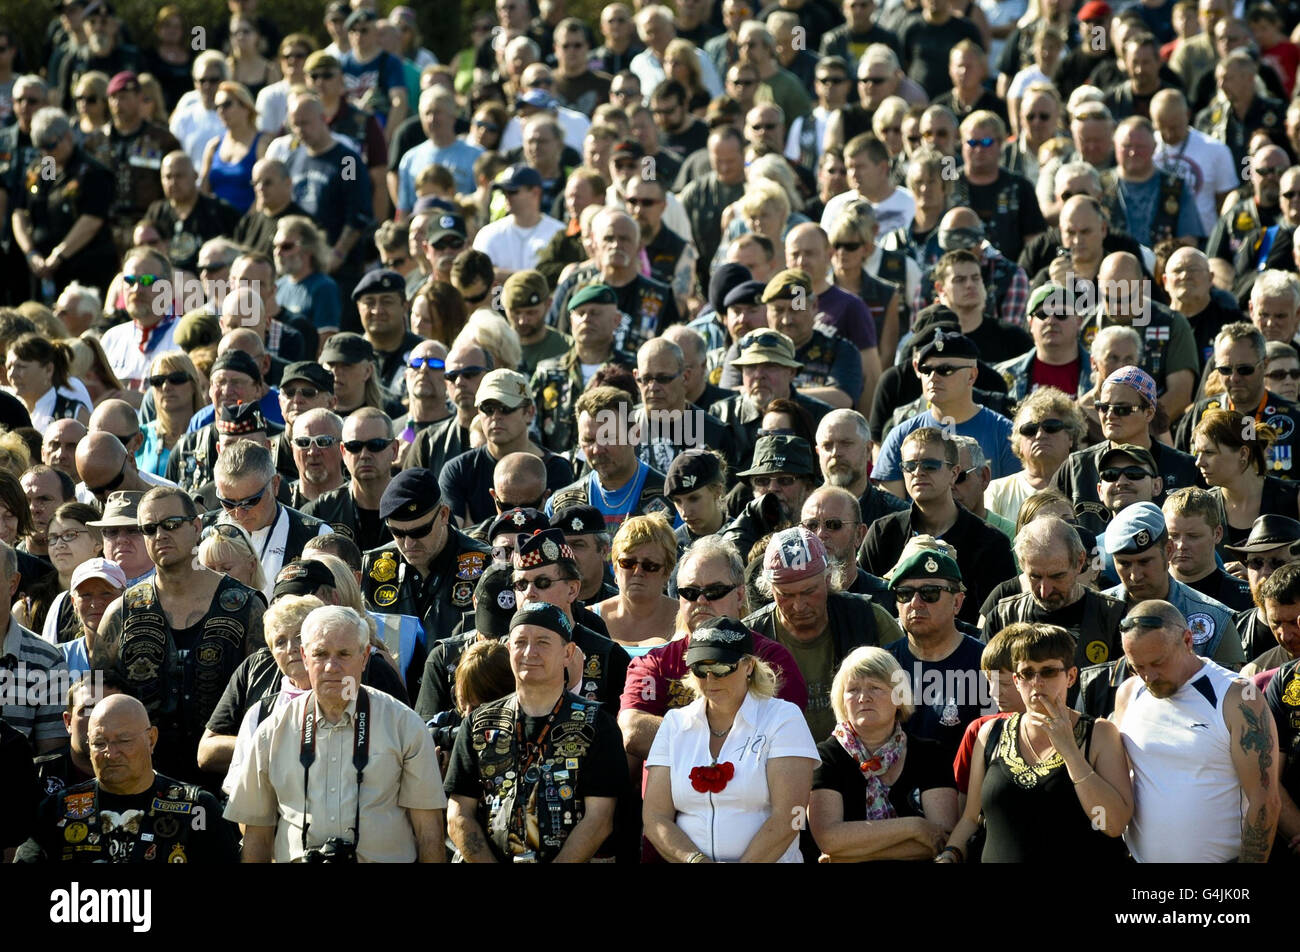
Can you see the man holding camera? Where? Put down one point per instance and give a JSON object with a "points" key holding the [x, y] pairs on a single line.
{"points": [[343, 773]]}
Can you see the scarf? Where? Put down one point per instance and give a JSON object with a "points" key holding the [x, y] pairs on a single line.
{"points": [[874, 766]]}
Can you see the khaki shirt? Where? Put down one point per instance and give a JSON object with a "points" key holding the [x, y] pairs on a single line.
{"points": [[402, 774]]}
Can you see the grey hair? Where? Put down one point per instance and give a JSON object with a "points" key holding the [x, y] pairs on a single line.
{"points": [[1073, 170], [978, 459], [50, 122], [31, 79], [839, 416], [756, 28], [1243, 330], [716, 547], [245, 458], [1044, 534], [319, 413], [879, 53], [87, 298], [333, 617], [1275, 283], [1107, 336], [1280, 350], [526, 43], [210, 58]]}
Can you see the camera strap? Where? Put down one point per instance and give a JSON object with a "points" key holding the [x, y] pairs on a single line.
{"points": [[360, 757]]}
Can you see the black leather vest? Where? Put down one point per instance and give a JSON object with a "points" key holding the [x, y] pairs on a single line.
{"points": [[160, 835]]}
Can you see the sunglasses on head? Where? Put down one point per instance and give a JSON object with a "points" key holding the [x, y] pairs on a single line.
{"points": [[419, 532], [760, 339], [1293, 374], [711, 593], [1132, 473], [248, 503], [322, 442], [170, 524], [226, 531], [1049, 426], [176, 378], [648, 567], [454, 375], [433, 363], [1141, 621], [541, 583], [144, 280], [1241, 370], [376, 445], [929, 464], [718, 669], [1119, 409], [929, 593]]}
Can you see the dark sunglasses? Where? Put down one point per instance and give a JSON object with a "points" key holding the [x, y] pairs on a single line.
{"points": [[1141, 621], [144, 280], [1038, 116], [1293, 374], [1119, 409], [109, 486], [873, 80], [710, 592], [963, 473], [450, 243], [785, 481], [929, 464], [832, 525], [647, 566], [171, 524], [941, 370], [1131, 473], [847, 245], [1241, 370], [88, 100], [661, 379], [454, 375], [322, 74], [703, 669], [541, 583], [419, 532], [376, 445], [433, 363], [249, 503], [1050, 426], [322, 442], [832, 80], [478, 298], [489, 126], [929, 593], [292, 393], [176, 377]]}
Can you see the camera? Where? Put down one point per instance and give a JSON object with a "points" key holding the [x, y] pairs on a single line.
{"points": [[442, 727], [334, 850]]}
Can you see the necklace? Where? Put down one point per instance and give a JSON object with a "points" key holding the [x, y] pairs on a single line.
{"points": [[720, 733], [604, 497]]}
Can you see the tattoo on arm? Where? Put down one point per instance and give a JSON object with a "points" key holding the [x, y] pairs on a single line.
{"points": [[1256, 837], [1255, 736], [476, 846]]}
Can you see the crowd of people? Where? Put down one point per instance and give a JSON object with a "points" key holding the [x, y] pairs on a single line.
{"points": [[712, 433]]}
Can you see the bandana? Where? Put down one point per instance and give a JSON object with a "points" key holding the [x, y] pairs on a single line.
{"points": [[874, 766], [150, 337]]}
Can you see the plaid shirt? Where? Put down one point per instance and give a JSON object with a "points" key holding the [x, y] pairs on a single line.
{"points": [[1005, 281]]}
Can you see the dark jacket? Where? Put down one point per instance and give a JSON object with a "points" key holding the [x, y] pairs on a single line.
{"points": [[743, 418], [1097, 638], [850, 618], [1078, 478]]}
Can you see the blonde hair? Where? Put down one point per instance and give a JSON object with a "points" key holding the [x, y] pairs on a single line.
{"points": [[346, 587], [654, 529], [87, 355], [493, 333], [684, 51], [289, 611], [240, 92], [759, 195], [878, 665], [764, 682], [220, 546], [15, 456], [179, 360], [149, 85]]}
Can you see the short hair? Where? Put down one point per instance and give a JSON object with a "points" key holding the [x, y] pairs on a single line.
{"points": [[210, 58], [1237, 59], [878, 665], [930, 436], [319, 413], [927, 161], [1194, 501], [654, 529], [879, 53], [762, 194], [1071, 170], [603, 399], [332, 617], [363, 414], [13, 498], [978, 459], [943, 267], [1282, 586], [716, 548], [1050, 403], [866, 142], [1137, 122], [1044, 643], [337, 545], [50, 122], [983, 118], [1092, 112], [483, 674], [1275, 283], [245, 458], [860, 424], [1108, 336], [1280, 350], [159, 493], [1242, 330], [288, 612], [1043, 534], [996, 655], [471, 265], [1228, 428]]}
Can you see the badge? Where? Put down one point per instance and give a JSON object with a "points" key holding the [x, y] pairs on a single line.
{"points": [[470, 565], [385, 595], [570, 763], [1202, 627], [550, 397], [166, 826], [79, 805], [151, 853], [1270, 119], [506, 599], [519, 518], [462, 594], [592, 668], [209, 654], [1171, 206], [177, 855], [576, 523], [1244, 222], [142, 669], [385, 568], [931, 566], [76, 832], [1291, 695], [566, 792], [1097, 652], [550, 550], [170, 806]]}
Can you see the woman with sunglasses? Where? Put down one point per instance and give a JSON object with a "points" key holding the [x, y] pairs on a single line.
{"points": [[1047, 428], [880, 793], [228, 550], [178, 393], [853, 241], [72, 541], [1232, 458], [1051, 783], [641, 616], [1283, 373], [485, 129], [38, 373], [248, 66], [90, 98], [728, 771], [227, 167]]}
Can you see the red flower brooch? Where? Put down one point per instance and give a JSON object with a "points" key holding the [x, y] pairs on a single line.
{"points": [[712, 779], [868, 766]]}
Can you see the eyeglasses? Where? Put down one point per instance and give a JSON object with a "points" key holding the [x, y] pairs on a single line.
{"points": [[831, 525], [1131, 473], [454, 375], [113, 533], [176, 378], [66, 538], [321, 442], [764, 126], [1049, 426], [491, 408], [628, 564], [541, 583], [376, 445], [419, 532], [710, 592], [144, 280], [762, 483], [293, 393], [1141, 621], [320, 74], [929, 593], [985, 143], [1293, 374], [109, 486], [1119, 409], [101, 746], [433, 363], [450, 243], [662, 379], [847, 245], [170, 524], [942, 370], [929, 464], [248, 503], [703, 669], [1258, 564], [1047, 674], [1242, 370], [643, 202], [30, 100]]}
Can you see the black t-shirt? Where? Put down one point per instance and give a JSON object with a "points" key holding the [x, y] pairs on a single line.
{"points": [[998, 341], [1007, 233], [372, 532], [20, 793], [945, 693], [924, 768], [1224, 588], [926, 47], [1283, 699], [466, 479], [685, 141]]}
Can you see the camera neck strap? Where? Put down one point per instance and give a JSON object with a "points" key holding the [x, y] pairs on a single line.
{"points": [[360, 756]]}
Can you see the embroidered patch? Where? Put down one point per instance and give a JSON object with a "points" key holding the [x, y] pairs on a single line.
{"points": [[462, 594], [1098, 652], [233, 599], [1202, 627], [76, 832], [171, 806], [79, 805], [470, 564], [385, 568], [385, 595]]}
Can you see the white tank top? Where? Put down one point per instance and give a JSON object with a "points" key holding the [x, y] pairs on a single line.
{"points": [[1187, 799]]}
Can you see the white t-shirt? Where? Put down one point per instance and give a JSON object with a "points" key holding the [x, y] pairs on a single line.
{"points": [[896, 211], [512, 247], [1206, 165], [121, 344], [273, 107], [722, 824], [1021, 81], [1006, 495], [573, 124], [194, 126]]}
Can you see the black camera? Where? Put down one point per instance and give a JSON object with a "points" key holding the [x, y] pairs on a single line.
{"points": [[442, 727], [334, 850]]}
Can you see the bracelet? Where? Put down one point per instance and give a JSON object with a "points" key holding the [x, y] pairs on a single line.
{"points": [[696, 857], [1090, 773], [961, 858]]}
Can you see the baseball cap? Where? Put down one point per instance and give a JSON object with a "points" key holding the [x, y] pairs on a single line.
{"points": [[310, 371], [1139, 453], [719, 639], [346, 348], [507, 386], [109, 571], [537, 98], [302, 577], [494, 601], [517, 177], [691, 469], [447, 224]]}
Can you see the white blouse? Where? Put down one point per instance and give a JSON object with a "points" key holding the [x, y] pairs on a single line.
{"points": [[721, 825]]}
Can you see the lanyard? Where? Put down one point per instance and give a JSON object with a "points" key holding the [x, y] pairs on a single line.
{"points": [[531, 752], [360, 757]]}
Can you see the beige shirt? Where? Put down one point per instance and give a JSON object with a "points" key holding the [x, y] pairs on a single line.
{"points": [[402, 774]]}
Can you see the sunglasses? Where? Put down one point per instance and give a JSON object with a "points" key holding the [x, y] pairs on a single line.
{"points": [[144, 280], [1293, 374], [322, 442], [433, 363], [88, 100], [1131, 473], [761, 483], [764, 126], [454, 375], [376, 445], [292, 393], [291, 55], [489, 126], [1050, 426], [832, 80], [847, 245], [643, 202], [1119, 409], [1038, 116], [873, 80], [491, 408], [662, 379], [942, 370], [985, 143], [249, 503], [209, 81], [648, 567], [1047, 674], [929, 593], [1046, 316], [703, 669], [322, 74], [929, 464], [963, 473], [476, 299], [226, 531], [1259, 564], [171, 524], [419, 532], [1141, 621], [450, 244], [110, 485], [176, 378], [761, 339], [541, 583], [1241, 370], [112, 533], [710, 592], [743, 82], [831, 525]]}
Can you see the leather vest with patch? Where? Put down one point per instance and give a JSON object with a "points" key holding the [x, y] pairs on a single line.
{"points": [[88, 834], [651, 500], [552, 806]]}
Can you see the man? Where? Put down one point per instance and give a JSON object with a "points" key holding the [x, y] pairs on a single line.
{"points": [[194, 120], [1143, 186], [669, 425], [1279, 600], [526, 297], [968, 68], [586, 536], [304, 385], [1195, 525], [926, 35], [185, 215], [621, 45], [485, 822], [317, 456], [105, 465], [252, 305], [780, 476], [776, 83], [17, 152], [706, 197], [1057, 358], [309, 297], [844, 455], [402, 805], [858, 31], [806, 141], [679, 129], [441, 147], [1239, 110], [656, 29], [1189, 283], [129, 813], [59, 446], [699, 390], [1202, 162], [973, 477], [929, 469], [464, 369], [807, 616], [1199, 741], [272, 201], [960, 285], [124, 543], [1133, 96], [867, 161], [672, 258], [71, 765], [947, 366], [369, 451], [176, 637], [1269, 546], [577, 85], [45, 490], [1240, 359], [372, 75], [1052, 558], [1274, 306], [120, 419], [513, 242], [1257, 211], [425, 389], [428, 570], [618, 484], [132, 346], [380, 298], [357, 128], [508, 412], [1004, 201], [1138, 540], [41, 724], [834, 516]]}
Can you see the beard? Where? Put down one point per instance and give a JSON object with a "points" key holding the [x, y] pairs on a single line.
{"points": [[841, 475]]}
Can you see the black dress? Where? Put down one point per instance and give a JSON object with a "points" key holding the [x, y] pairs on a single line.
{"points": [[1031, 811]]}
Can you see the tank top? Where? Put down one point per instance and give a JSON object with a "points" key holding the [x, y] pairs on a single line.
{"points": [[233, 181], [1183, 778], [1023, 801]]}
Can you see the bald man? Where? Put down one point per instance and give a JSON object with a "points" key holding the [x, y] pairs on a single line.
{"points": [[119, 418], [1192, 293], [273, 200], [1169, 347], [518, 482], [1160, 205], [1203, 163], [1258, 210], [129, 813], [59, 446], [105, 466], [185, 216]]}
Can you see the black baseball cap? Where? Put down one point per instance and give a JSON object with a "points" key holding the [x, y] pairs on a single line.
{"points": [[310, 371]]}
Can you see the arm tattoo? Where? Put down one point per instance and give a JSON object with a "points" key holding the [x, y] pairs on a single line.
{"points": [[476, 846], [107, 641], [1255, 736], [1257, 838]]}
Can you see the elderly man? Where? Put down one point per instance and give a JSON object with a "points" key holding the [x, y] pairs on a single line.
{"points": [[1057, 359], [1202, 746], [1270, 545], [1274, 303], [46, 489], [1239, 110], [401, 799], [815, 622], [671, 424], [834, 516], [272, 201], [123, 541], [72, 765], [706, 197], [41, 724], [1189, 283], [974, 476], [59, 446], [1259, 209], [104, 466], [844, 454], [132, 346], [1239, 358], [317, 455], [425, 388], [711, 570], [441, 146], [780, 477], [129, 813], [185, 215]]}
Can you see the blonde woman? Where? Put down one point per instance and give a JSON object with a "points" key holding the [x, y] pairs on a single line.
{"points": [[764, 210], [644, 554], [153, 105], [682, 64], [228, 550], [90, 366], [179, 392], [1048, 427], [227, 167], [90, 97]]}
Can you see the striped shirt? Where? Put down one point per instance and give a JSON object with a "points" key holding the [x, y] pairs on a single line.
{"points": [[33, 679]]}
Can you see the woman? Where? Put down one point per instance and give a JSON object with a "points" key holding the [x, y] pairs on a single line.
{"points": [[880, 793], [153, 105], [227, 167], [853, 241], [228, 550], [409, 39], [492, 333], [1283, 374], [644, 553], [90, 97], [38, 373], [682, 64], [248, 66], [1048, 427], [178, 393], [438, 311], [72, 540], [1235, 467], [483, 674], [171, 59], [15, 512], [90, 366], [699, 503], [89, 603], [728, 771], [1048, 769], [489, 123]]}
